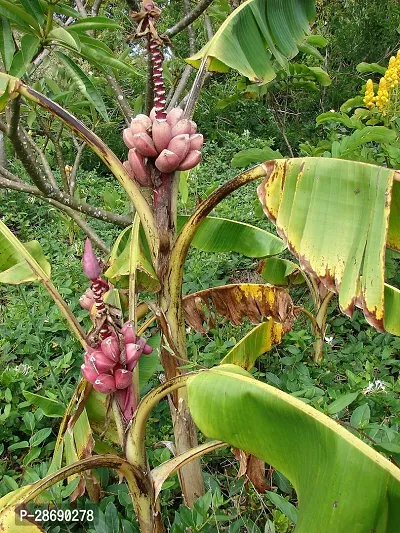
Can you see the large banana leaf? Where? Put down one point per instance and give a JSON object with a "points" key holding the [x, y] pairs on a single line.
{"points": [[257, 33], [337, 218], [13, 267], [224, 235], [341, 483]]}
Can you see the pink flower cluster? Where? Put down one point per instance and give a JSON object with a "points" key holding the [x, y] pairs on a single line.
{"points": [[169, 144], [108, 367]]}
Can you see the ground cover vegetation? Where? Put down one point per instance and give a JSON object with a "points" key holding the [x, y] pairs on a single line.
{"points": [[284, 347]]}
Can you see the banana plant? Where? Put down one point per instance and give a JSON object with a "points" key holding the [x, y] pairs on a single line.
{"points": [[303, 199]]}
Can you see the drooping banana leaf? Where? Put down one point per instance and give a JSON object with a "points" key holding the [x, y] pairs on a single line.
{"points": [[223, 235], [341, 483], [337, 218], [255, 35]]}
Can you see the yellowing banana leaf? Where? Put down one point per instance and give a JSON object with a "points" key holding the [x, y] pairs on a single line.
{"points": [[224, 235], [11, 520], [281, 272], [14, 268], [341, 483], [258, 341], [118, 270], [337, 218], [97, 413], [255, 34], [236, 302]]}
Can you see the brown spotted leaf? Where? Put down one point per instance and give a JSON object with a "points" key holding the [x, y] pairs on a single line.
{"points": [[236, 302], [337, 217]]}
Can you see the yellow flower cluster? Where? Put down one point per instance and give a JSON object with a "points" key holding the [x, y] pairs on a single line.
{"points": [[382, 97], [369, 98], [387, 84]]}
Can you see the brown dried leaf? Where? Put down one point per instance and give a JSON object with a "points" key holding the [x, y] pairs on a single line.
{"points": [[252, 468], [237, 301]]}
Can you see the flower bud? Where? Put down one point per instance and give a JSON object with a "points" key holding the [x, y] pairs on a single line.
{"points": [[161, 133], [180, 145], [91, 266], [110, 348], [86, 301], [167, 161], [191, 160], [182, 126], [89, 373], [139, 168], [144, 145], [128, 331], [123, 378], [133, 353], [105, 383], [196, 141], [174, 115], [99, 361]]}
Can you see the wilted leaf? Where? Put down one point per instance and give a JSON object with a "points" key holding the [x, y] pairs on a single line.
{"points": [[237, 301], [252, 468]]}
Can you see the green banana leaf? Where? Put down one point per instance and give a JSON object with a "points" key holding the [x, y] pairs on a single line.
{"points": [[341, 483], [118, 270], [281, 272], [338, 217], [224, 235], [258, 341], [255, 35], [13, 266]]}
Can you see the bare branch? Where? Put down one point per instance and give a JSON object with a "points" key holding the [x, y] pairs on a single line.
{"points": [[191, 34], [29, 189], [180, 87], [209, 28], [74, 171], [96, 7], [122, 102], [49, 173], [80, 7], [196, 88], [64, 199], [189, 18], [24, 152]]}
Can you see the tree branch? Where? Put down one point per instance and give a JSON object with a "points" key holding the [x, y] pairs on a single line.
{"points": [[122, 102], [96, 7], [209, 28], [180, 87], [24, 153], [194, 94], [65, 200], [189, 18], [191, 34], [80, 7], [74, 171]]}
